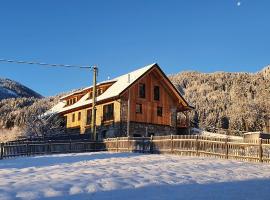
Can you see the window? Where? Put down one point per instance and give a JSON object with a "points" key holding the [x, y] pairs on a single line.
{"points": [[99, 92], [159, 111], [89, 116], [156, 93], [79, 116], [73, 100], [91, 95], [138, 108], [142, 90], [108, 111], [73, 117]]}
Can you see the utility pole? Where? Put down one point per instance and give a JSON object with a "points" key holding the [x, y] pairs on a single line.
{"points": [[93, 122], [128, 114]]}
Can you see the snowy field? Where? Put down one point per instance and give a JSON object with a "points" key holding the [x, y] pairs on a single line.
{"points": [[88, 176]]}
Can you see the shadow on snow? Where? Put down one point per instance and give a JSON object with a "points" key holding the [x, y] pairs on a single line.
{"points": [[238, 190]]}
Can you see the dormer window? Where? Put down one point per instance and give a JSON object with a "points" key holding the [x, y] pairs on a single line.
{"points": [[100, 91], [73, 100], [90, 95]]}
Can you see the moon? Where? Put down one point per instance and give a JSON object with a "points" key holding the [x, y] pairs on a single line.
{"points": [[238, 3]]}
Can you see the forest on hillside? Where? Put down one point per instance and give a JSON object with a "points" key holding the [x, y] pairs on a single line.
{"points": [[233, 101], [236, 101]]}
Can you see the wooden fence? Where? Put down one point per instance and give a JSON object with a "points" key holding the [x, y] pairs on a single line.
{"points": [[28, 148], [190, 145]]}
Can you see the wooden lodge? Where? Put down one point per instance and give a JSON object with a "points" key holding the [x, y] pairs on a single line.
{"points": [[155, 106]]}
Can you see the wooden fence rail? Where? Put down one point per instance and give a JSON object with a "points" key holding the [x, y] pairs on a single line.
{"points": [[249, 150]]}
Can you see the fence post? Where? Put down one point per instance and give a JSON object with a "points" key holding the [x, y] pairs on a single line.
{"points": [[143, 145], [226, 149], [128, 143], [197, 145], [116, 144], [2, 150], [171, 143], [27, 148], [70, 148], [151, 145], [260, 150], [50, 146]]}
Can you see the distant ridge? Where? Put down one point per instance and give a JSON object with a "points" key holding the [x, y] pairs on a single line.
{"points": [[13, 89]]}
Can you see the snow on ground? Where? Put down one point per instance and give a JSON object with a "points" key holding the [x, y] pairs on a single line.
{"points": [[218, 135], [214, 135], [103, 176]]}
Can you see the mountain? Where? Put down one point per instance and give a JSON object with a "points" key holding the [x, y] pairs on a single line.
{"points": [[13, 89], [235, 101]]}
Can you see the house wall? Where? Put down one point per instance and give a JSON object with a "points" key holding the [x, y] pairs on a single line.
{"points": [[167, 101], [140, 123], [99, 114]]}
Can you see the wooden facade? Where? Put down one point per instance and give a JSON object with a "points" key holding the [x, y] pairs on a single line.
{"points": [[153, 100]]}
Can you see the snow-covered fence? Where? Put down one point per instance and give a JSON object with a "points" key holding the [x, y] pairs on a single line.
{"points": [[257, 150], [191, 145]]}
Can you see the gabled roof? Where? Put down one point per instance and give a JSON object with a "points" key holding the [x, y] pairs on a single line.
{"points": [[120, 84], [118, 87]]}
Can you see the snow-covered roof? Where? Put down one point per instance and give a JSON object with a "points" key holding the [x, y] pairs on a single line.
{"points": [[120, 84], [86, 88]]}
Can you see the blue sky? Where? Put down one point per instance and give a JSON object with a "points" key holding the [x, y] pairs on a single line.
{"points": [[122, 35]]}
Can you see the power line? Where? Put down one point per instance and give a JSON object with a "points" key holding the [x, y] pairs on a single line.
{"points": [[45, 64]]}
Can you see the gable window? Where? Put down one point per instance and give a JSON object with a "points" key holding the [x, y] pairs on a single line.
{"points": [[142, 90], [73, 117], [159, 111], [138, 108], [88, 116], [79, 116], [156, 93], [108, 111]]}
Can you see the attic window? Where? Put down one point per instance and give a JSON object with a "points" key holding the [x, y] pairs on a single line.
{"points": [[156, 93], [142, 90]]}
